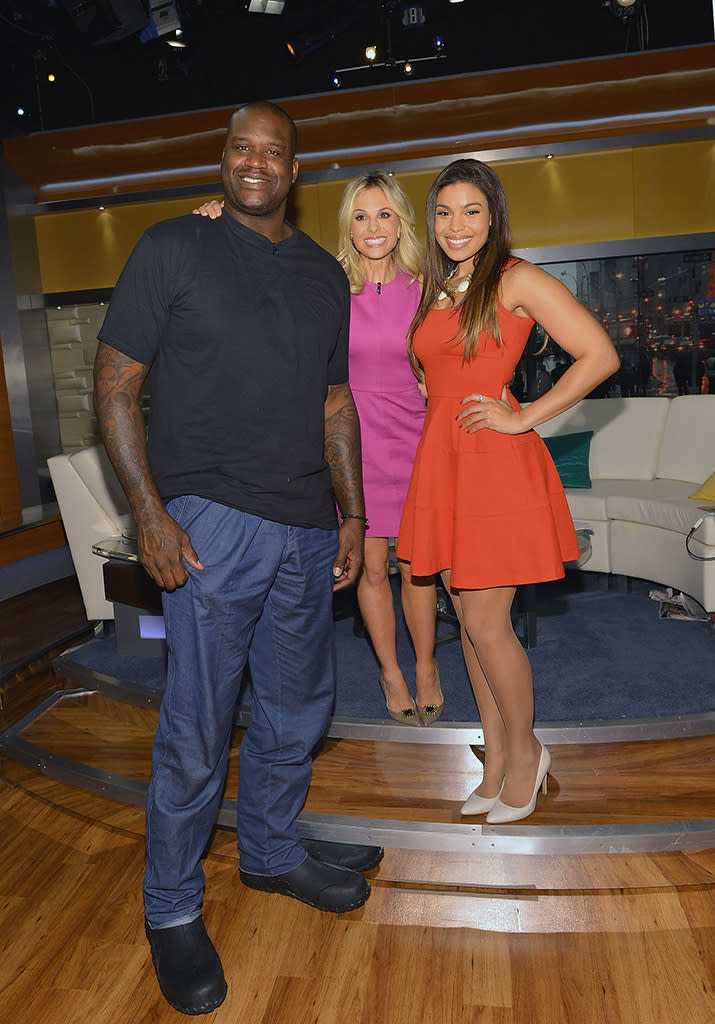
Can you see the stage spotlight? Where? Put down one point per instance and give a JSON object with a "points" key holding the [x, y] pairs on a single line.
{"points": [[265, 6], [51, 77], [163, 20], [370, 53], [337, 81], [438, 44], [408, 68], [624, 8], [20, 111]]}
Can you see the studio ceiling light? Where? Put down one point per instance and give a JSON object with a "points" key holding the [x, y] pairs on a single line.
{"points": [[265, 6], [163, 20], [624, 8]]}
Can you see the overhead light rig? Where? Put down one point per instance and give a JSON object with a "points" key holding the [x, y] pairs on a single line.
{"points": [[407, 67], [634, 15], [413, 16]]}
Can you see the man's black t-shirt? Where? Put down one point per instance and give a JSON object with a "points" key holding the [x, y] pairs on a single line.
{"points": [[243, 336]]}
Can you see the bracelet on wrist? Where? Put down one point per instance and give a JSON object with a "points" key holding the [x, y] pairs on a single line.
{"points": [[354, 515]]}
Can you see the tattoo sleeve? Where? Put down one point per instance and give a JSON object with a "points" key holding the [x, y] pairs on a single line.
{"points": [[117, 383], [342, 448]]}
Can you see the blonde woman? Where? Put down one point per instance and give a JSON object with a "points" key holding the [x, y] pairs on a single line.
{"points": [[380, 254]]}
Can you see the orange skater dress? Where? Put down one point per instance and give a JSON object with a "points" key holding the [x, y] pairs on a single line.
{"points": [[486, 505]]}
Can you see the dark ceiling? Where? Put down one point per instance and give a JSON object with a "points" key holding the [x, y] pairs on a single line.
{"points": [[104, 72]]}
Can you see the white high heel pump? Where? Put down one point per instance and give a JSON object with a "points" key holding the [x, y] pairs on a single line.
{"points": [[502, 813], [476, 804]]}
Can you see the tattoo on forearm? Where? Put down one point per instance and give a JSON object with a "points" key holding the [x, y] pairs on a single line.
{"points": [[117, 383], [342, 448]]}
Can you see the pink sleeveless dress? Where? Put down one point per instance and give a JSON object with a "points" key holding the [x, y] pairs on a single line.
{"points": [[389, 404]]}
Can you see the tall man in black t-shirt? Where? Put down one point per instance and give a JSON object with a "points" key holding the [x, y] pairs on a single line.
{"points": [[253, 435]]}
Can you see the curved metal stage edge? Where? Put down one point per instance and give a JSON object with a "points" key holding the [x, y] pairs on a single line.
{"points": [[450, 837], [597, 731]]}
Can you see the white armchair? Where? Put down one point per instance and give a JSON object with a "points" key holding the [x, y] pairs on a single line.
{"points": [[93, 506]]}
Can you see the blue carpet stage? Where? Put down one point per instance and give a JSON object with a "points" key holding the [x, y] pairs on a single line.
{"points": [[600, 654]]}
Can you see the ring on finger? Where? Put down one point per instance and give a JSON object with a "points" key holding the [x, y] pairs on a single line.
{"points": [[480, 398]]}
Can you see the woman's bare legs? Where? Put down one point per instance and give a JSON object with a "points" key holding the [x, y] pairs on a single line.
{"points": [[489, 714], [500, 674], [419, 604], [378, 612]]}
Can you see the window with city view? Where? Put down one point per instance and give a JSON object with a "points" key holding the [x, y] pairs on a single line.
{"points": [[658, 309]]}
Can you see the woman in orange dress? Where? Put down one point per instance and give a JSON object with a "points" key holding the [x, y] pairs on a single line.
{"points": [[485, 506]]}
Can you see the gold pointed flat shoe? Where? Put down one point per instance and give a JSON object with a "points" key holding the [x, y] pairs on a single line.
{"points": [[408, 716], [429, 713]]}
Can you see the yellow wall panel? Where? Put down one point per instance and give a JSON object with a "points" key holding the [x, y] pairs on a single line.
{"points": [[82, 249], [674, 188], [328, 195], [594, 196], [304, 212], [574, 198]]}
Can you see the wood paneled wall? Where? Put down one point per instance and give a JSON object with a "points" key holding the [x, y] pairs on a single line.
{"points": [[630, 93]]}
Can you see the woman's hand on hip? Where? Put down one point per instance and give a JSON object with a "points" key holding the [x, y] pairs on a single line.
{"points": [[480, 412]]}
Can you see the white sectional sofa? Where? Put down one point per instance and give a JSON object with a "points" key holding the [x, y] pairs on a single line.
{"points": [[647, 456]]}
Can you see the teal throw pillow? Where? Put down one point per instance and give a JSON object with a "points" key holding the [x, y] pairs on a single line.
{"points": [[570, 453]]}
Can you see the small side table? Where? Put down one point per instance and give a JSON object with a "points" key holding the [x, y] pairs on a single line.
{"points": [[138, 616]]}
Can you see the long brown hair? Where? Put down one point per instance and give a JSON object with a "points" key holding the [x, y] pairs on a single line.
{"points": [[478, 311]]}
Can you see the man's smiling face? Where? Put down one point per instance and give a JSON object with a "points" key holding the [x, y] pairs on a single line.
{"points": [[258, 167]]}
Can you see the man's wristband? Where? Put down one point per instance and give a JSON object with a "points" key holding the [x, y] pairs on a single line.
{"points": [[353, 515]]}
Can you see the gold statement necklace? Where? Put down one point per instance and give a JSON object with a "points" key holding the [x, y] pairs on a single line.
{"points": [[460, 286]]}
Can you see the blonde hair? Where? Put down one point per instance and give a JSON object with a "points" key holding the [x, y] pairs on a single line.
{"points": [[407, 254]]}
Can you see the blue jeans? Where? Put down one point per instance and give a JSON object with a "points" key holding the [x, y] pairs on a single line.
{"points": [[265, 595]]}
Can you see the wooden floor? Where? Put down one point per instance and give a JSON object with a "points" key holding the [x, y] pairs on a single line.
{"points": [[622, 939]]}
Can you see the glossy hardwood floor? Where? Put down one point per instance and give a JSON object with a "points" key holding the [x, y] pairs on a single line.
{"points": [[623, 939]]}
